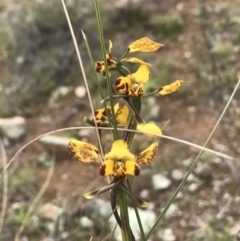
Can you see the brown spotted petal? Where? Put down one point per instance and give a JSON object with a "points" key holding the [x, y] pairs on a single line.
{"points": [[147, 156], [82, 151], [144, 45]]}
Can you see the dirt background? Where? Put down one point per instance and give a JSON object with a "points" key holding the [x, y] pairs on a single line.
{"points": [[201, 46]]}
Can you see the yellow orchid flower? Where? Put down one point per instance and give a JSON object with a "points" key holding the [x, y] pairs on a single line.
{"points": [[121, 112], [121, 162], [132, 84], [140, 45], [118, 162], [100, 66]]}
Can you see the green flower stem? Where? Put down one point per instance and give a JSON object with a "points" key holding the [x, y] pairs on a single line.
{"points": [[113, 193], [141, 203], [93, 64], [137, 213], [118, 96], [151, 93], [135, 113], [126, 230], [100, 29], [134, 105]]}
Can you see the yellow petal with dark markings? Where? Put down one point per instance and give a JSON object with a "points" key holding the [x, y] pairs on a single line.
{"points": [[143, 45], [122, 113], [132, 168], [82, 151], [107, 168], [168, 89], [123, 84], [147, 156]]}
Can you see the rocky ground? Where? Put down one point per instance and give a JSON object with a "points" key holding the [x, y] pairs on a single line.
{"points": [[201, 47]]}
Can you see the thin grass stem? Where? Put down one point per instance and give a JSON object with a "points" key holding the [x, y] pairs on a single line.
{"points": [[109, 85], [110, 128], [3, 157], [193, 164], [83, 72]]}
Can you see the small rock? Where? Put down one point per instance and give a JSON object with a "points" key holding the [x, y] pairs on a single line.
{"points": [[86, 222], [191, 178], [171, 210], [64, 235], [144, 194], [154, 112], [85, 132], [160, 182], [187, 162], [45, 159], [17, 205], [177, 175], [19, 60], [180, 6], [55, 141], [168, 235], [98, 207], [64, 177], [80, 91], [59, 92], [191, 109], [193, 187], [204, 171], [151, 206], [179, 195], [13, 128], [147, 217], [51, 211], [217, 160], [187, 54], [46, 119], [151, 101]]}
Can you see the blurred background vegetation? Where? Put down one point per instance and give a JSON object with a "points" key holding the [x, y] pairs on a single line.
{"points": [[201, 45]]}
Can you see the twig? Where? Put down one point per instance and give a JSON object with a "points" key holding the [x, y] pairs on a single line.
{"points": [[5, 185]]}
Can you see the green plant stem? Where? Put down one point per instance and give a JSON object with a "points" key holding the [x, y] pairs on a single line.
{"points": [[126, 230], [100, 29], [193, 164], [92, 64]]}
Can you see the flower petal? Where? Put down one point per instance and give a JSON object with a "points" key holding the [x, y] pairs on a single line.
{"points": [[149, 128], [168, 89], [99, 66], [122, 113], [101, 115], [82, 151], [107, 168], [145, 157], [119, 152], [141, 76], [110, 47], [123, 84], [144, 45], [136, 61], [132, 168]]}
